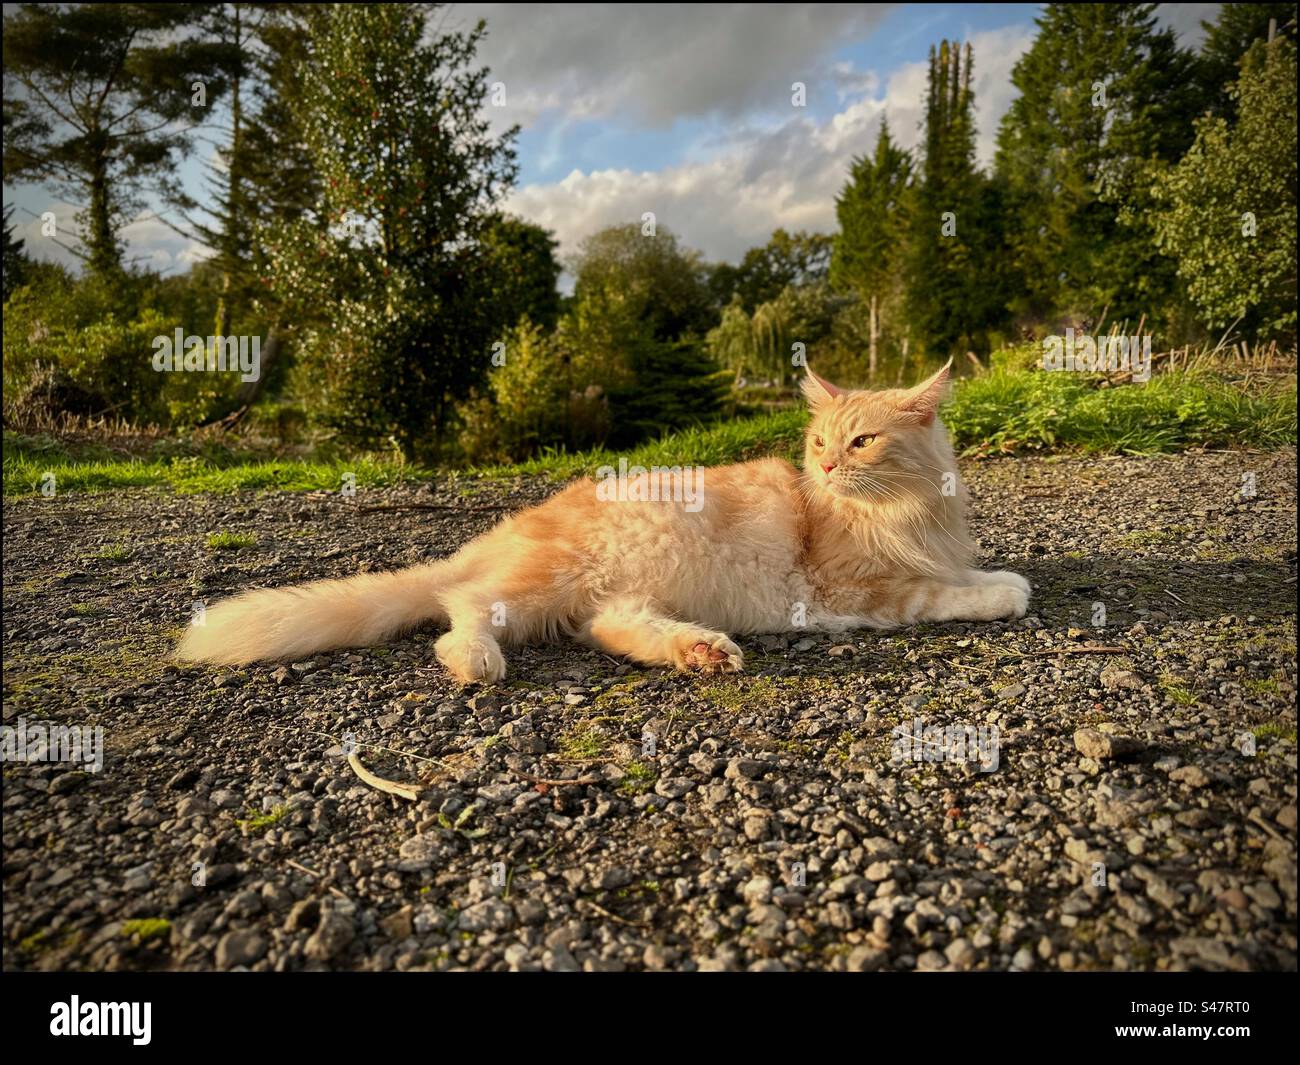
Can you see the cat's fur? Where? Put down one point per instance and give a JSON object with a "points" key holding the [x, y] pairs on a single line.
{"points": [[878, 540]]}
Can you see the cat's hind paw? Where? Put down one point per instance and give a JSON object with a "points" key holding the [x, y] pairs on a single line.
{"points": [[707, 652], [471, 659]]}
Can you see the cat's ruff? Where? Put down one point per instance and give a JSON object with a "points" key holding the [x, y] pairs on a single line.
{"points": [[871, 535]]}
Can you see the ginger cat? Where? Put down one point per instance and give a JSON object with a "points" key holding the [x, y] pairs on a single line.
{"points": [[871, 534]]}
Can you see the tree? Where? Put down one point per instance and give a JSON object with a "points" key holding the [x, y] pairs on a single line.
{"points": [[15, 259], [865, 259], [660, 284], [527, 271], [97, 105], [1105, 97], [950, 254], [1227, 211], [1228, 38], [786, 259], [410, 174]]}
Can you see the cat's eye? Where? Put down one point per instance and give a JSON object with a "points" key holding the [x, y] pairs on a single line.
{"points": [[818, 441], [865, 440]]}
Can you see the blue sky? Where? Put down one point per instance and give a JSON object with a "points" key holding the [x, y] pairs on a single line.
{"points": [[686, 111]]}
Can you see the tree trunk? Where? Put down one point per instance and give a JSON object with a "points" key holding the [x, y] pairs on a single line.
{"points": [[875, 338], [100, 240]]}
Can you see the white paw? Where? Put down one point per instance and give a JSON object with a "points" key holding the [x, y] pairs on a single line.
{"points": [[1007, 600], [1004, 576], [707, 652], [471, 659]]}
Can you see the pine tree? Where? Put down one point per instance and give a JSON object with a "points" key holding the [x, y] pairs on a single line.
{"points": [[950, 302], [98, 104], [1104, 96], [865, 259], [15, 259]]}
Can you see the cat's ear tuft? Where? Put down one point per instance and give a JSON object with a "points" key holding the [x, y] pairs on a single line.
{"points": [[925, 398], [817, 390]]}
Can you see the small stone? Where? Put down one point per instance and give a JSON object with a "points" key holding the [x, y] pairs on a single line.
{"points": [[242, 947], [1191, 775], [1102, 747]]}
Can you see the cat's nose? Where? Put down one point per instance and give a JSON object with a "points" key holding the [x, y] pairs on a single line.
{"points": [[826, 468]]}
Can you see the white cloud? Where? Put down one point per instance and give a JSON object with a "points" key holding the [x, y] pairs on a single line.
{"points": [[760, 179], [656, 64]]}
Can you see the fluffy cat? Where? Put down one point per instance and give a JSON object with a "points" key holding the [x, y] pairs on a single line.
{"points": [[871, 534]]}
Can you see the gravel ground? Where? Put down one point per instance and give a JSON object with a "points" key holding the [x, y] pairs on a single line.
{"points": [[587, 814]]}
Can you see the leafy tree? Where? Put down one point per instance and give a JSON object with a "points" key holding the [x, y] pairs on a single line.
{"points": [[1227, 211], [409, 176], [527, 271], [660, 284], [97, 105], [786, 259], [1228, 38], [870, 209], [1105, 96]]}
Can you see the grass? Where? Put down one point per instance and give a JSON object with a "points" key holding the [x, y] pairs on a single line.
{"points": [[228, 541], [1009, 409], [257, 821], [147, 928]]}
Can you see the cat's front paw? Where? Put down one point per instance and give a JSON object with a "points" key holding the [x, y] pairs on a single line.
{"points": [[1005, 576], [707, 652], [1007, 600]]}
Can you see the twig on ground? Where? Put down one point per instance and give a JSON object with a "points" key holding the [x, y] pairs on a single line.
{"points": [[410, 792]]}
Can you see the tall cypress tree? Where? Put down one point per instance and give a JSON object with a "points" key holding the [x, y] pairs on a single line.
{"points": [[950, 303], [865, 257]]}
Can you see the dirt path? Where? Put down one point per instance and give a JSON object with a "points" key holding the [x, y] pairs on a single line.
{"points": [[763, 821]]}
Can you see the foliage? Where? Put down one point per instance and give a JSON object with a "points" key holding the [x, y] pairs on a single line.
{"points": [[1228, 209]]}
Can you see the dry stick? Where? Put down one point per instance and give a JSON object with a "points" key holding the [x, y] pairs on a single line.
{"points": [[555, 783], [312, 872], [410, 792], [1178, 598], [1072, 651], [430, 506], [613, 916]]}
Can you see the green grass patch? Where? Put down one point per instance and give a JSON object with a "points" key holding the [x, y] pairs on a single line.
{"points": [[1276, 732], [147, 928], [87, 469], [258, 821], [637, 778], [115, 553], [228, 541], [1011, 409], [1014, 407]]}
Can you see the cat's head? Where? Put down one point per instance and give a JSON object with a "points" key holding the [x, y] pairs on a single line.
{"points": [[873, 445]]}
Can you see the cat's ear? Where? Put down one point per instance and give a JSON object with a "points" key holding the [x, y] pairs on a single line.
{"points": [[817, 390], [925, 398]]}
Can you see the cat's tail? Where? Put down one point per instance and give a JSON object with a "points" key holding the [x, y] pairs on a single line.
{"points": [[291, 623]]}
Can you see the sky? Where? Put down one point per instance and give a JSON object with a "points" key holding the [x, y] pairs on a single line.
{"points": [[687, 111]]}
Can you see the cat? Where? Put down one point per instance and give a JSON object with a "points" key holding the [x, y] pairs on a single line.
{"points": [[871, 534]]}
